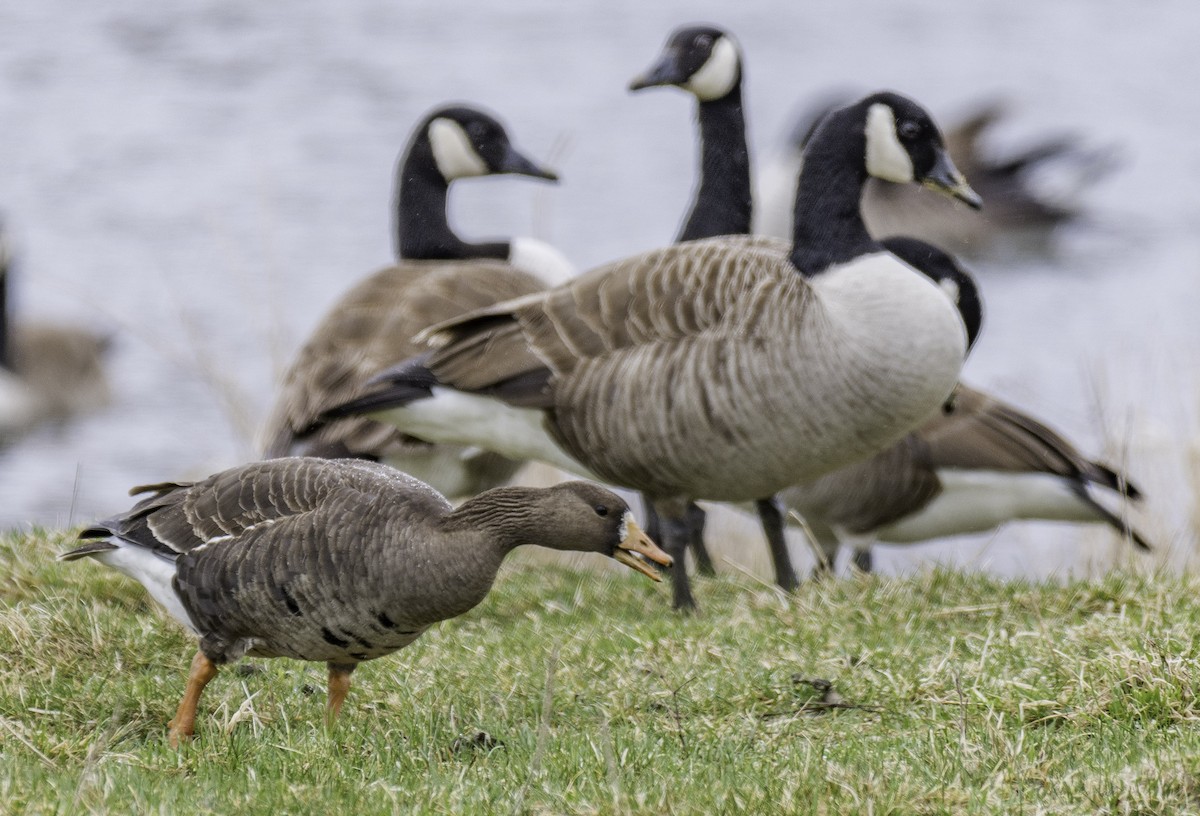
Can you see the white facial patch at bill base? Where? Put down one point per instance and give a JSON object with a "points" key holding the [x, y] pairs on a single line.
{"points": [[886, 157], [453, 152], [627, 521], [718, 74]]}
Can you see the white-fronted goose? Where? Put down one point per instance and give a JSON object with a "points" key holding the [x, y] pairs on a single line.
{"points": [[337, 561], [974, 466], [713, 369], [437, 276], [49, 372], [1018, 212]]}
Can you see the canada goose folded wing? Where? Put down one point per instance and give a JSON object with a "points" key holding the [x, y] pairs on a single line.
{"points": [[671, 299], [983, 433], [370, 332]]}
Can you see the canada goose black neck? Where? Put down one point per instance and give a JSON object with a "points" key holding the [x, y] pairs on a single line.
{"points": [[5, 262], [724, 202], [422, 229], [829, 228]]}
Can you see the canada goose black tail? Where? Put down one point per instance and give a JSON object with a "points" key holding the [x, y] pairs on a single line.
{"points": [[1115, 521], [392, 388]]}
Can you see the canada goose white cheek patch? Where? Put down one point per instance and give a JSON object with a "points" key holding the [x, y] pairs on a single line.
{"points": [[453, 152], [718, 74], [886, 157]]}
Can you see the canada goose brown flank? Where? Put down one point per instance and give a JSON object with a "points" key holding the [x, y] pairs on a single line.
{"points": [[338, 561], [970, 468], [713, 369], [437, 277]]}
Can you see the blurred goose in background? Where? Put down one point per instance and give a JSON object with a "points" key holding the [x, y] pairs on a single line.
{"points": [[972, 467], [437, 276], [1022, 209], [336, 561], [713, 369], [48, 372]]}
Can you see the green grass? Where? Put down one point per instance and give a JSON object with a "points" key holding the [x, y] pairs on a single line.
{"points": [[950, 694]]}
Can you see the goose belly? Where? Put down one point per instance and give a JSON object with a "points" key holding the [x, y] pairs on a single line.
{"points": [[977, 501], [738, 418]]}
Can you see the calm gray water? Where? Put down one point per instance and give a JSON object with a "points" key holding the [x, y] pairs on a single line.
{"points": [[204, 178]]}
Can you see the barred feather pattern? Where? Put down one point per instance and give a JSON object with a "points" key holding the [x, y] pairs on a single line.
{"points": [[311, 559], [713, 370]]}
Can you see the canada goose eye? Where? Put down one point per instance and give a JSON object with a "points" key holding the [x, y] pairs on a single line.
{"points": [[601, 510], [909, 129]]}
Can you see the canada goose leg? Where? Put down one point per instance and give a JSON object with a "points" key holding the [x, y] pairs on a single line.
{"points": [[183, 724], [339, 687], [696, 518], [653, 526], [672, 514], [825, 545], [770, 511], [862, 560]]}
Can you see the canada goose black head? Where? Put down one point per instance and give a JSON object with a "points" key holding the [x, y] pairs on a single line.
{"points": [[451, 142], [942, 269], [461, 141], [700, 59], [903, 144]]}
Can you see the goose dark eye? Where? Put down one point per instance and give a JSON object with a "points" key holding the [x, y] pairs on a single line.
{"points": [[703, 40], [601, 510], [909, 129]]}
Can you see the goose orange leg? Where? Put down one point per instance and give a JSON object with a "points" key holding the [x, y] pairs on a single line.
{"points": [[339, 687], [183, 725]]}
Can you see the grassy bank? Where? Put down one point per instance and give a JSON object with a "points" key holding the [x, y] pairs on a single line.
{"points": [[943, 693]]}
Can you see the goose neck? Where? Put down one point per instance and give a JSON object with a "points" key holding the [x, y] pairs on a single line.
{"points": [[723, 204], [422, 228], [828, 227]]}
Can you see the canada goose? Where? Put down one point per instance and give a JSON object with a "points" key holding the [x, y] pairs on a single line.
{"points": [[1018, 212], [336, 561], [972, 467], [437, 276], [48, 372], [713, 369], [706, 62]]}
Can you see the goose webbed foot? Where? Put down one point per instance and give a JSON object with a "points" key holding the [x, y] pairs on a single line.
{"points": [[862, 560]]}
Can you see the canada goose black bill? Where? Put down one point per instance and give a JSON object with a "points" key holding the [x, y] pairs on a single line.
{"points": [[895, 149], [701, 59]]}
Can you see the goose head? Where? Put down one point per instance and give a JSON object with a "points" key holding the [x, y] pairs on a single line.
{"points": [[903, 144], [584, 517], [958, 284], [464, 141], [700, 59]]}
